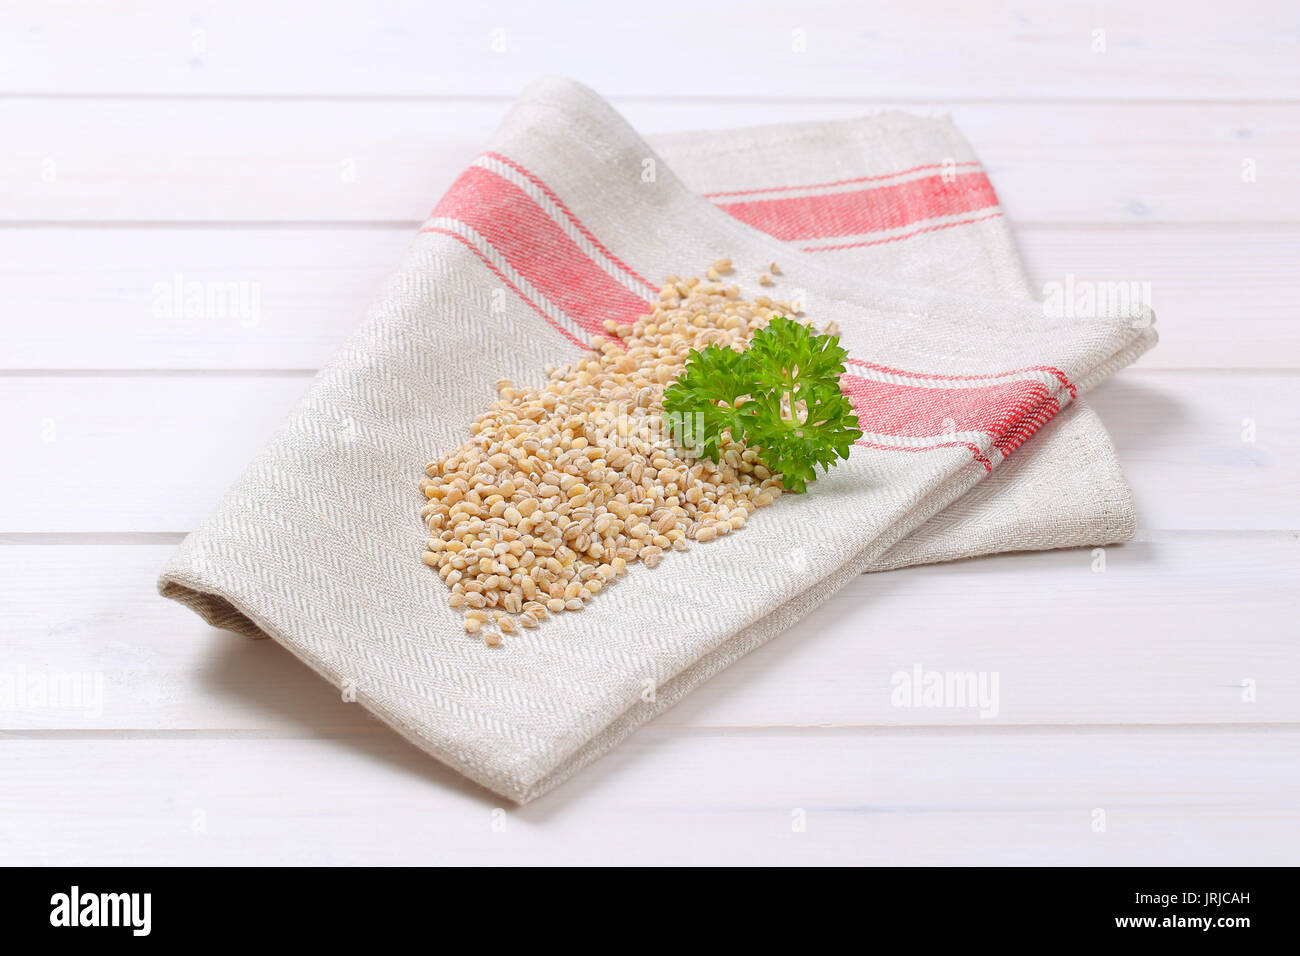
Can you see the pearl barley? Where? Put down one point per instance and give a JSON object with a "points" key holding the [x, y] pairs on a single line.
{"points": [[562, 486]]}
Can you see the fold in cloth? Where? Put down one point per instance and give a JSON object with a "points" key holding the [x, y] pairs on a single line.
{"points": [[569, 218]]}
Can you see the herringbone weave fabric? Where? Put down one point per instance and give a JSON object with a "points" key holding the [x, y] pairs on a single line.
{"points": [[569, 218]]}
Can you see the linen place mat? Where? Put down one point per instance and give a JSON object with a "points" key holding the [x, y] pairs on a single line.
{"points": [[558, 228]]}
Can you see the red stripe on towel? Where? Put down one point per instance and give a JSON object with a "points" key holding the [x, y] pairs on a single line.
{"points": [[1008, 412], [831, 215], [537, 248], [1050, 369], [938, 227], [840, 182], [502, 276], [577, 223]]}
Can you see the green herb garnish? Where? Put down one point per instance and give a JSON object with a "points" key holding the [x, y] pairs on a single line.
{"points": [[781, 397]]}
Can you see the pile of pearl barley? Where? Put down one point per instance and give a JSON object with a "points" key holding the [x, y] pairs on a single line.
{"points": [[561, 488]]}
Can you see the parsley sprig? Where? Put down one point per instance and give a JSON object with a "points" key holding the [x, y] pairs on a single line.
{"points": [[781, 397]]}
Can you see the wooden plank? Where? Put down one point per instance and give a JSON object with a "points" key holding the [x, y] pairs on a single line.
{"points": [[89, 616], [1222, 295], [317, 161], [270, 298], [1206, 450], [153, 453], [939, 48], [290, 296], [1178, 796]]}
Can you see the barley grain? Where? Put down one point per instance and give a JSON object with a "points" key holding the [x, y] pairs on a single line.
{"points": [[561, 486]]}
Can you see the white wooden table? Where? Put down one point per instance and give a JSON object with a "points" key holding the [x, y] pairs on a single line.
{"points": [[1149, 713]]}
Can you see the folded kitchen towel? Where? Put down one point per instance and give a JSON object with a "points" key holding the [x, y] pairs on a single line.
{"points": [[568, 219]]}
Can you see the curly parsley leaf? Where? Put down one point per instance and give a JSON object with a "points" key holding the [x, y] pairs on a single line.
{"points": [[703, 403], [781, 397]]}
